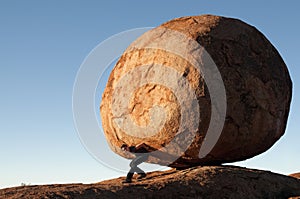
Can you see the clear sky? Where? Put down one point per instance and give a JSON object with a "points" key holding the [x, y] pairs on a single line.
{"points": [[42, 45]]}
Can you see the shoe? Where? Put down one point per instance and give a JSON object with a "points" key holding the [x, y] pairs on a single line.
{"points": [[142, 175], [127, 181]]}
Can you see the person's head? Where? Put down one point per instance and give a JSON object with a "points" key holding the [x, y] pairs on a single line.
{"points": [[124, 147]]}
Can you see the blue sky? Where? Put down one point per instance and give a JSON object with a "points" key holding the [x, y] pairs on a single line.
{"points": [[42, 45]]}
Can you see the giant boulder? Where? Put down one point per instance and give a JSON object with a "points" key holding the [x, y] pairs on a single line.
{"points": [[198, 90]]}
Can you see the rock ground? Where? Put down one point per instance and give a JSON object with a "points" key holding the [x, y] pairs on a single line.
{"points": [[197, 182]]}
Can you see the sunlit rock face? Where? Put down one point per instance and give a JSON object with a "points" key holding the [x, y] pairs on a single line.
{"points": [[199, 90]]}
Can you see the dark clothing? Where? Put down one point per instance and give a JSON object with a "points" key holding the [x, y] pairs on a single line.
{"points": [[134, 165], [136, 161], [140, 157], [133, 149]]}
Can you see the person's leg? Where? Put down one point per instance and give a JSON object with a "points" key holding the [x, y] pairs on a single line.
{"points": [[134, 165], [131, 171], [138, 170], [138, 160], [129, 177]]}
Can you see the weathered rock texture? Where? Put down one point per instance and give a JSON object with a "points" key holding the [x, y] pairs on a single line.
{"points": [[197, 182], [257, 83]]}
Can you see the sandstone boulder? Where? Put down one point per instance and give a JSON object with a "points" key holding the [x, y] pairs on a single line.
{"points": [[198, 90]]}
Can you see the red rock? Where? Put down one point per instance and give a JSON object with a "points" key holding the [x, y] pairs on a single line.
{"points": [[197, 182], [295, 175], [256, 80]]}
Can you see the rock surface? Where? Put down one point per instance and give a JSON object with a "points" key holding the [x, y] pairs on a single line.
{"points": [[295, 175], [197, 182], [155, 69]]}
